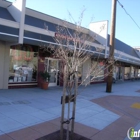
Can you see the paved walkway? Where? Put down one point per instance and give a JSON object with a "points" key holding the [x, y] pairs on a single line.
{"points": [[31, 113]]}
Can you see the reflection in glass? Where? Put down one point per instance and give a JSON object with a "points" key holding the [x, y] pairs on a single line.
{"points": [[23, 64]]}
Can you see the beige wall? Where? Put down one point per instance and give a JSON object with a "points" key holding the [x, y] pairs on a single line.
{"points": [[4, 64]]}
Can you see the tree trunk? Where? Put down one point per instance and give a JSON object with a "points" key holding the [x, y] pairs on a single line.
{"points": [[74, 105], [63, 102]]}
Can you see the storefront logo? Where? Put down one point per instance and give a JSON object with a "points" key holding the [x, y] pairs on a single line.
{"points": [[66, 37], [71, 38], [131, 133]]}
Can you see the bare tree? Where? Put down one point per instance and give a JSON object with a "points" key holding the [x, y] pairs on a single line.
{"points": [[73, 48]]}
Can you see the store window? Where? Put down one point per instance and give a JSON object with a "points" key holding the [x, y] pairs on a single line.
{"points": [[23, 64], [80, 73], [119, 73], [97, 73]]}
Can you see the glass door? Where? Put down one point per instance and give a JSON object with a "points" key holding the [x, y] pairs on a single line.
{"points": [[51, 65]]}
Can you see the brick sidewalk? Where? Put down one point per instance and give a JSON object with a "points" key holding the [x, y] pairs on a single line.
{"points": [[115, 131], [130, 117], [99, 115]]}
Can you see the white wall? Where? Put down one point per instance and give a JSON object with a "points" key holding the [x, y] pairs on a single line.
{"points": [[100, 32], [15, 10], [4, 64]]}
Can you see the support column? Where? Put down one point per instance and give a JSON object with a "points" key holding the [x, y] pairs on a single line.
{"points": [[131, 72], [17, 10]]}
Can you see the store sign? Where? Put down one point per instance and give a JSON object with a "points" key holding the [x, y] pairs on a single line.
{"points": [[68, 38]]}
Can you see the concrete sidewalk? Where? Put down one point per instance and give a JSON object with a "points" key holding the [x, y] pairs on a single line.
{"points": [[36, 112]]}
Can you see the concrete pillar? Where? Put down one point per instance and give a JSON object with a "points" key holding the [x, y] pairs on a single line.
{"points": [[86, 68], [17, 10], [4, 64], [123, 72], [136, 72], [131, 72]]}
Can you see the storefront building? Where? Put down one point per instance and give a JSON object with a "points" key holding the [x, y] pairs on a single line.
{"points": [[23, 34]]}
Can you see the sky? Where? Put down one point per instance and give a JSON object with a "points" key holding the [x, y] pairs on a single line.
{"points": [[95, 10]]}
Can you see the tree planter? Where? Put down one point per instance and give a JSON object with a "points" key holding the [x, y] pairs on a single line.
{"points": [[45, 85], [56, 136], [45, 77]]}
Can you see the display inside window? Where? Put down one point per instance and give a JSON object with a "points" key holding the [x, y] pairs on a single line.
{"points": [[97, 73], [23, 64]]}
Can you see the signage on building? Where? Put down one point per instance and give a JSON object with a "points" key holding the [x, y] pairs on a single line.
{"points": [[67, 37]]}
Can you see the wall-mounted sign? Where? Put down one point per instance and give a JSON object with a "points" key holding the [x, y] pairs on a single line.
{"points": [[67, 37]]}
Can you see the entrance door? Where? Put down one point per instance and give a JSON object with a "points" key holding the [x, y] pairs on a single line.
{"points": [[51, 65]]}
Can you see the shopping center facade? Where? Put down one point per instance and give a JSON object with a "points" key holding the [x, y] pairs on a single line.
{"points": [[24, 32]]}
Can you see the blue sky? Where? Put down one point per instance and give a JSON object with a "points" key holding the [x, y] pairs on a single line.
{"points": [[97, 10]]}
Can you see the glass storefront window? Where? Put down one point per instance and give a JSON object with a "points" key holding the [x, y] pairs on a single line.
{"points": [[134, 72], [119, 72], [23, 64], [98, 71], [80, 73]]}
